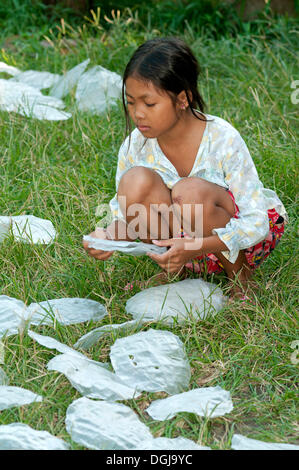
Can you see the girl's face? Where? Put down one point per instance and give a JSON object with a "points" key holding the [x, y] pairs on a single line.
{"points": [[150, 108]]}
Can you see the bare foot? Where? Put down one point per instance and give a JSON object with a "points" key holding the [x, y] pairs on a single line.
{"points": [[243, 290]]}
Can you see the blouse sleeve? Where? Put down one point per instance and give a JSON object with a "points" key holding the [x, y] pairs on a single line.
{"points": [[242, 180], [125, 162]]}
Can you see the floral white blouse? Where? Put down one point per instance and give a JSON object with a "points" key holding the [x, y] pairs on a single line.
{"points": [[222, 158]]}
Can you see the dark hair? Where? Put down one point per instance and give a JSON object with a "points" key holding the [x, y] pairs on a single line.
{"points": [[171, 66]]}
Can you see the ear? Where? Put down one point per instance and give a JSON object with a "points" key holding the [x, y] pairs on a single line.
{"points": [[182, 100]]}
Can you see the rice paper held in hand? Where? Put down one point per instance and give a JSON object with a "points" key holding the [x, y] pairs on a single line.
{"points": [[131, 248]]}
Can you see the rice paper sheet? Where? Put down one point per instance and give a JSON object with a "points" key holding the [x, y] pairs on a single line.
{"points": [[166, 443], [3, 377], [28, 101], [102, 425], [9, 69], [91, 338], [2, 355], [207, 401], [52, 343], [5, 223], [67, 311], [19, 436], [152, 361], [27, 228], [13, 314], [91, 378], [31, 229], [37, 79], [16, 396], [98, 89], [68, 81], [132, 248], [240, 442], [183, 300]]}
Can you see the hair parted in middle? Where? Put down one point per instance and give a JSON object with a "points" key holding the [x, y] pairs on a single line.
{"points": [[171, 66]]}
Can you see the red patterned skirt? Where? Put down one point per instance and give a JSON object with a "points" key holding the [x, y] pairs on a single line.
{"points": [[255, 255]]}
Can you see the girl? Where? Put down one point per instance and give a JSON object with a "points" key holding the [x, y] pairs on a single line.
{"points": [[179, 157]]}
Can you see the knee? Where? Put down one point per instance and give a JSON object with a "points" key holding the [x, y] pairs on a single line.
{"points": [[137, 182], [191, 190]]}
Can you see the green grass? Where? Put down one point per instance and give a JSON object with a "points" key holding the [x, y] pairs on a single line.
{"points": [[61, 171]]}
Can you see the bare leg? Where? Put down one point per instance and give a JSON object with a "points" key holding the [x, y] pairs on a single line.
{"points": [[144, 186], [147, 199], [238, 273], [218, 208]]}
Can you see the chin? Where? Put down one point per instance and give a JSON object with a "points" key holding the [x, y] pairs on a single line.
{"points": [[150, 134]]}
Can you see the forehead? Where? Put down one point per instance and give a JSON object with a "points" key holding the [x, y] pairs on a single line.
{"points": [[138, 88]]}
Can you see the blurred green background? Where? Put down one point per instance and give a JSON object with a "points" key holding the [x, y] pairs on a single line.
{"points": [[217, 17]]}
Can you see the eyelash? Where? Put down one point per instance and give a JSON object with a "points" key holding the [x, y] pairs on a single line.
{"points": [[146, 104]]}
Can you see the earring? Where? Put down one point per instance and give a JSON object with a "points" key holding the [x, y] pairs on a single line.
{"points": [[183, 107]]}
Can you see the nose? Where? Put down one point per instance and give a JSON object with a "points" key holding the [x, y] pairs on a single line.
{"points": [[138, 112]]}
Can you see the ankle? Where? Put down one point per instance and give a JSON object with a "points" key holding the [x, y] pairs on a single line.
{"points": [[243, 275]]}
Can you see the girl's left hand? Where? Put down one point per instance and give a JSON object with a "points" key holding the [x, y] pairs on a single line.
{"points": [[182, 250]]}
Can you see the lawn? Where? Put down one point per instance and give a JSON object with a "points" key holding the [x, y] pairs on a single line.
{"points": [[62, 171]]}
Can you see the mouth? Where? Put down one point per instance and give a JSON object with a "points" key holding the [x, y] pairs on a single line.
{"points": [[143, 128]]}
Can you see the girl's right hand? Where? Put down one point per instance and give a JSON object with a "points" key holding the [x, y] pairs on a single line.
{"points": [[98, 254]]}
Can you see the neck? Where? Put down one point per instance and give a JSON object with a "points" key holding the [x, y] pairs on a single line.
{"points": [[182, 127]]}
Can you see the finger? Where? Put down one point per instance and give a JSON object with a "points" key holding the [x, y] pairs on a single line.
{"points": [[99, 254], [174, 269], [96, 253], [158, 258], [162, 258], [93, 251], [153, 256], [85, 245], [102, 257], [168, 242]]}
